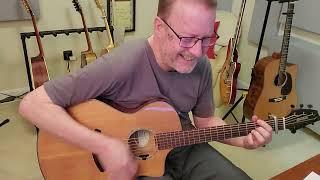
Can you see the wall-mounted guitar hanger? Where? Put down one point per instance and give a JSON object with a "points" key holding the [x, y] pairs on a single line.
{"points": [[55, 33], [4, 122]]}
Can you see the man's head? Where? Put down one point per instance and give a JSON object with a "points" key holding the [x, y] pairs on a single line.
{"points": [[182, 30]]}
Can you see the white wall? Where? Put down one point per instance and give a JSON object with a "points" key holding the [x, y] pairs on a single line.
{"points": [[59, 14]]}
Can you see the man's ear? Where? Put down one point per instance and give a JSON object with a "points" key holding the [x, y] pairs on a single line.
{"points": [[157, 25]]}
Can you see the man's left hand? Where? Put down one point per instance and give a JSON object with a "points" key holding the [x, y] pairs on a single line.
{"points": [[258, 137]]}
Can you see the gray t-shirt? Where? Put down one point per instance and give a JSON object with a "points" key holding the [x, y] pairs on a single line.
{"points": [[130, 76]]}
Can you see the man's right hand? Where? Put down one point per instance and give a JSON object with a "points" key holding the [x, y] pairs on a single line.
{"points": [[118, 161]]}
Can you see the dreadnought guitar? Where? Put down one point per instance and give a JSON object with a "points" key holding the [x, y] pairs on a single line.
{"points": [[87, 56], [39, 69], [151, 131], [100, 6], [273, 85], [231, 67]]}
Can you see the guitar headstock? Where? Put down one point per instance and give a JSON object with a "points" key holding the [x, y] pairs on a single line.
{"points": [[26, 4], [300, 118], [77, 6], [99, 4]]}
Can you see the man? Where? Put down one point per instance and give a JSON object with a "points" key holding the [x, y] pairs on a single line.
{"points": [[169, 65]]}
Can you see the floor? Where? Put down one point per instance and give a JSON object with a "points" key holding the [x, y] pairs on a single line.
{"points": [[19, 159]]}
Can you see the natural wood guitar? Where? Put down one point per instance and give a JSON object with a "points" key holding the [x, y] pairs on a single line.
{"points": [[110, 45], [39, 71], [87, 56], [231, 67], [273, 84], [150, 131]]}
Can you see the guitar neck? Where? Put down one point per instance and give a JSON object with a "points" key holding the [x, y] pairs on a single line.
{"points": [[41, 54], [86, 33], [238, 27], [286, 39], [105, 20], [218, 133]]}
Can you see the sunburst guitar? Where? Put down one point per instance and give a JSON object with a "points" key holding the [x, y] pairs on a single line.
{"points": [[231, 67]]}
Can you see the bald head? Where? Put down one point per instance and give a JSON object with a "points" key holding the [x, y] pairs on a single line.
{"points": [[165, 6]]}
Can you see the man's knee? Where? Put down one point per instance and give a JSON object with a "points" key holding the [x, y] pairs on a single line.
{"points": [[204, 162]]}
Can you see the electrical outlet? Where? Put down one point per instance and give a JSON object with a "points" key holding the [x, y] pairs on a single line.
{"points": [[67, 55], [73, 58]]}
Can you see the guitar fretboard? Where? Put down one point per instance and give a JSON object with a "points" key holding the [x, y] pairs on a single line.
{"points": [[218, 133], [286, 39]]}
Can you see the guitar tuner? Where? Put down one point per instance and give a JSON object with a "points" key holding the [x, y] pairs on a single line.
{"points": [[310, 106], [301, 105]]}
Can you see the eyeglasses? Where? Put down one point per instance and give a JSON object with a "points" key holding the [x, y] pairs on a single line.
{"points": [[189, 42]]}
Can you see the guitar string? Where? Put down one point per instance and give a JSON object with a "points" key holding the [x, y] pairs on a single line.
{"points": [[165, 145], [161, 146], [217, 128], [162, 136], [210, 137]]}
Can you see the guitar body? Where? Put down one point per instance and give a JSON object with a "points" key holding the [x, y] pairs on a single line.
{"points": [[264, 96], [39, 71], [59, 160], [229, 75], [104, 51], [87, 57], [150, 131]]}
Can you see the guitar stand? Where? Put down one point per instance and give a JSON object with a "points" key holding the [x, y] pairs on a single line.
{"points": [[257, 58], [4, 122], [230, 111], [27, 35]]}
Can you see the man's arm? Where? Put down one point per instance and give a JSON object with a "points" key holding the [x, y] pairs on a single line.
{"points": [[256, 138], [38, 108]]}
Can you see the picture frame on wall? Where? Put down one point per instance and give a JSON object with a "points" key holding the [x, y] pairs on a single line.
{"points": [[122, 13]]}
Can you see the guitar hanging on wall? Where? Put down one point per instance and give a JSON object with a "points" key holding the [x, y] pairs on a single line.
{"points": [[106, 49], [149, 142], [231, 67], [273, 86], [39, 71], [87, 56]]}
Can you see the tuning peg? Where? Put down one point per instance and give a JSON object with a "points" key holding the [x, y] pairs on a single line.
{"points": [[293, 131], [309, 106], [292, 106], [301, 105]]}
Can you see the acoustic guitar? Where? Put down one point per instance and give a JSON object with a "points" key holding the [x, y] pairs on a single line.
{"points": [[87, 56], [151, 131], [231, 67], [100, 6], [273, 85], [39, 71]]}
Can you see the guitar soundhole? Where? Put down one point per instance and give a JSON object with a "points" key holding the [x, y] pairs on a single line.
{"points": [[95, 157], [281, 79], [142, 144]]}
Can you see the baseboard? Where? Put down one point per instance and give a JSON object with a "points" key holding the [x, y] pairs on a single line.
{"points": [[14, 92]]}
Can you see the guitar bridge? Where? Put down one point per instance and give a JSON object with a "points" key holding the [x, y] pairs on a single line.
{"points": [[278, 99]]}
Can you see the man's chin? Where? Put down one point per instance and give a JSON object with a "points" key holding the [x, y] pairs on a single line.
{"points": [[184, 70]]}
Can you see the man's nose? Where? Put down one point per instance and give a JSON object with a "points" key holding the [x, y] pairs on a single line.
{"points": [[197, 49]]}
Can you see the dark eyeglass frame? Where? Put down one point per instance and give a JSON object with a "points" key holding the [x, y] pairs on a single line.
{"points": [[195, 39]]}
